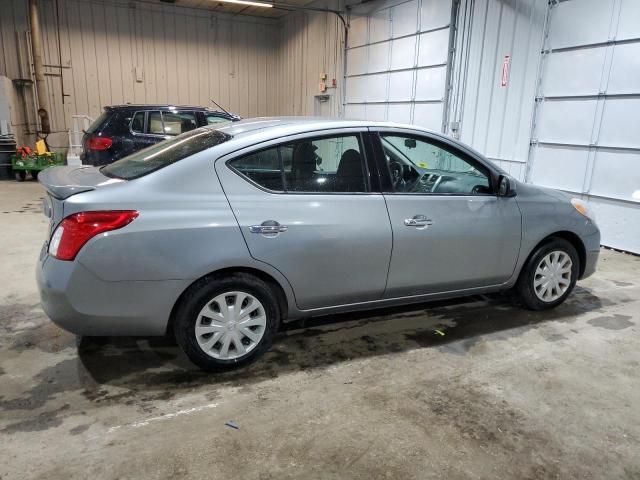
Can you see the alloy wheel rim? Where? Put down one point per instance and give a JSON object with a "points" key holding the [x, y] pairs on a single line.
{"points": [[553, 276], [230, 325]]}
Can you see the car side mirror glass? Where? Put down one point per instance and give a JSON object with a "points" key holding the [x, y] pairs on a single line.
{"points": [[506, 187], [410, 142]]}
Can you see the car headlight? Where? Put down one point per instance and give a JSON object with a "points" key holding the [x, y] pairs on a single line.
{"points": [[583, 208]]}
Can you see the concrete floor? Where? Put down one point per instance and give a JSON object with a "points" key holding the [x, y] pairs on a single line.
{"points": [[505, 393]]}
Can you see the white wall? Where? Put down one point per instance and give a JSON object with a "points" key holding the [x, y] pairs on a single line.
{"points": [[112, 53]]}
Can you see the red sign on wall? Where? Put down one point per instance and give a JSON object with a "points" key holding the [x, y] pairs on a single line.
{"points": [[505, 70]]}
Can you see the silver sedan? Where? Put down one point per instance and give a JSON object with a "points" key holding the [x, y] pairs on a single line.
{"points": [[220, 234]]}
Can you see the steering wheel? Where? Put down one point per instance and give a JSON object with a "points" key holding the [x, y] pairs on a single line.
{"points": [[397, 173]]}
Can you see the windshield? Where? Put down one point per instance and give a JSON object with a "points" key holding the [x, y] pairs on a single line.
{"points": [[164, 153]]}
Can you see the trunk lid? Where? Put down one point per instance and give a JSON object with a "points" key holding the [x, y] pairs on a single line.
{"points": [[63, 182]]}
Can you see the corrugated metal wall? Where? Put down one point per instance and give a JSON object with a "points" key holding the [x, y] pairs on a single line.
{"points": [[115, 52], [496, 119], [311, 43]]}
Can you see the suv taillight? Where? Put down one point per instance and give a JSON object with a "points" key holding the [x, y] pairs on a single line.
{"points": [[77, 229], [94, 142]]}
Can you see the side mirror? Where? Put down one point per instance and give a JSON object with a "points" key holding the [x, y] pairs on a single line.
{"points": [[506, 186]]}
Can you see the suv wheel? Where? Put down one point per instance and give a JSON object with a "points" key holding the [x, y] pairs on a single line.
{"points": [[549, 275], [227, 322]]}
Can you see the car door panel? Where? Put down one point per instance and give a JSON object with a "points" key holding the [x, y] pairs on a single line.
{"points": [[469, 242], [334, 249], [450, 232]]}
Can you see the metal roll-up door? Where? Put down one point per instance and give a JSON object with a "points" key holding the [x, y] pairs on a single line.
{"points": [[586, 136]]}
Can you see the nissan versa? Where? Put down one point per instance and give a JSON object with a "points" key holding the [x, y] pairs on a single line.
{"points": [[220, 234]]}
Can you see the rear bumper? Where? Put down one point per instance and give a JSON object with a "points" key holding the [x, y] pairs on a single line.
{"points": [[81, 303]]}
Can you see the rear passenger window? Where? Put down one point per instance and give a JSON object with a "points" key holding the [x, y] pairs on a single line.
{"points": [[137, 124], [155, 123], [262, 167], [176, 123], [322, 165]]}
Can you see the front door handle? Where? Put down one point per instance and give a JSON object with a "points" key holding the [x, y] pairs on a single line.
{"points": [[419, 221], [268, 227]]}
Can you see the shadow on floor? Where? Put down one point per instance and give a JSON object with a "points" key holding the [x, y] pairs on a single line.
{"points": [[154, 364]]}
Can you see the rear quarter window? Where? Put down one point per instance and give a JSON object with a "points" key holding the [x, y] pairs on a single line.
{"points": [[164, 153]]}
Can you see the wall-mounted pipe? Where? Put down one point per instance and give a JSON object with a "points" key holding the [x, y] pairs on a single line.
{"points": [[38, 68]]}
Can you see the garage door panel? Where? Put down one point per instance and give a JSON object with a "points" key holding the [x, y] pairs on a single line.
{"points": [[431, 83], [356, 89], [356, 112], [629, 20], [404, 19], [621, 123], [566, 121], [435, 14], [616, 175], [562, 168], [433, 47], [569, 20], [403, 53], [576, 72], [358, 30], [400, 113], [357, 61], [376, 112], [618, 223], [400, 86], [428, 115], [376, 88], [625, 69], [378, 57], [379, 26]]}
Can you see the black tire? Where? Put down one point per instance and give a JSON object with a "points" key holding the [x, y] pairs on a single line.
{"points": [[34, 174], [20, 175], [525, 286], [202, 292]]}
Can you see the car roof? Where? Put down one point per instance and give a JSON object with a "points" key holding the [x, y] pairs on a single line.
{"points": [[293, 125], [159, 106]]}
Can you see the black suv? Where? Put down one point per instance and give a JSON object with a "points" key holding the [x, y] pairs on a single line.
{"points": [[124, 129]]}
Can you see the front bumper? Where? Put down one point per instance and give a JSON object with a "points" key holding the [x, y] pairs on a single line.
{"points": [[80, 302], [590, 263]]}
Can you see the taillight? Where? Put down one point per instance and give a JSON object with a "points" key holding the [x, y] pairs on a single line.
{"points": [[98, 143], [77, 229]]}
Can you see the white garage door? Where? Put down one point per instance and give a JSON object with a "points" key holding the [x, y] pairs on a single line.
{"points": [[397, 62], [587, 131]]}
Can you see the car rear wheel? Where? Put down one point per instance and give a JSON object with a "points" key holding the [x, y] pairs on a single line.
{"points": [[549, 275], [227, 322]]}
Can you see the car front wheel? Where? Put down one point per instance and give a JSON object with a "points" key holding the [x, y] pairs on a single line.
{"points": [[549, 275], [223, 323]]}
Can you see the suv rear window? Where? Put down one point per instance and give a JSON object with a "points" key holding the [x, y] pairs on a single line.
{"points": [[97, 123], [164, 153]]}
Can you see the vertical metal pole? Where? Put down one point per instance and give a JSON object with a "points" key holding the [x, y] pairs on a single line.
{"points": [[453, 27], [36, 51]]}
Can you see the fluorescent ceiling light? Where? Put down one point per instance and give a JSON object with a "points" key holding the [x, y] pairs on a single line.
{"points": [[247, 2]]}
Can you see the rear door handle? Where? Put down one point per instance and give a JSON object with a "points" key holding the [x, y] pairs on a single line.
{"points": [[419, 221], [268, 227]]}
